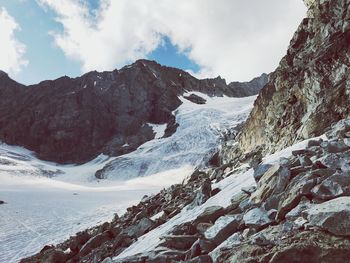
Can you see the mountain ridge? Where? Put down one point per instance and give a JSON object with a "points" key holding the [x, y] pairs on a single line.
{"points": [[72, 120]]}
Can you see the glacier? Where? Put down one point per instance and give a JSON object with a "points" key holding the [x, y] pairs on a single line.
{"points": [[47, 202]]}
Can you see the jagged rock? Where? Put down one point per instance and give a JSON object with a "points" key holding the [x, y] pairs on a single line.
{"points": [[54, 256], [272, 182], [299, 210], [201, 246], [336, 147], [259, 239], [140, 228], [299, 186], [201, 259], [339, 129], [93, 243], [332, 216], [230, 242], [334, 186], [195, 98], [260, 170], [295, 171], [185, 229], [182, 242], [257, 218], [237, 199], [202, 195], [249, 190], [210, 214], [333, 161], [313, 143], [202, 227], [224, 227], [271, 202], [246, 204], [305, 161], [299, 100]]}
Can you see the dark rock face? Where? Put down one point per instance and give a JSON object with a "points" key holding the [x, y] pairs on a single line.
{"points": [[74, 120], [311, 87], [250, 88]]}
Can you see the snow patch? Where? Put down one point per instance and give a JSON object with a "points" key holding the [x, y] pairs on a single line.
{"points": [[158, 129]]}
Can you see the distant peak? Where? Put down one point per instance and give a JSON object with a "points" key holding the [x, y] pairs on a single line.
{"points": [[3, 73]]}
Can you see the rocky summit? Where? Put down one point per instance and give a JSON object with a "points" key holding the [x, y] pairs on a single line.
{"points": [[74, 120], [310, 88]]}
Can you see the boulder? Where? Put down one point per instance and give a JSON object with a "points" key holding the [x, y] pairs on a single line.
{"points": [[260, 170], [224, 227], [336, 185], [93, 243], [237, 199], [298, 187], [332, 216], [202, 227], [336, 147], [272, 182], [54, 256], [182, 242], [209, 215], [257, 218], [140, 228], [305, 161]]}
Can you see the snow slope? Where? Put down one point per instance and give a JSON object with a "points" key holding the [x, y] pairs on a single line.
{"points": [[47, 202]]}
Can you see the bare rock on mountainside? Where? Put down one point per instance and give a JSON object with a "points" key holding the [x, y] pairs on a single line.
{"points": [[74, 120], [311, 87]]}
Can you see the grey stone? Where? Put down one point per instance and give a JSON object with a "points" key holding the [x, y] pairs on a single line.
{"points": [[332, 216], [257, 218], [180, 242], [140, 228], [93, 243], [294, 192], [305, 161], [336, 147], [224, 227], [260, 170], [336, 185], [210, 214], [272, 182]]}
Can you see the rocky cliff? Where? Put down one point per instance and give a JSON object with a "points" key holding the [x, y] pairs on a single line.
{"points": [[311, 87], [74, 120]]}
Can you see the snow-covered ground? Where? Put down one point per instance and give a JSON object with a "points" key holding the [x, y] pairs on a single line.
{"points": [[47, 202]]}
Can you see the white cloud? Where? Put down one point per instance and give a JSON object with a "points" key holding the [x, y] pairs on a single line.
{"points": [[232, 38], [11, 50]]}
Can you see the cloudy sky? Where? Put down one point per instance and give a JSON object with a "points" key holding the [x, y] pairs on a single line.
{"points": [[237, 39]]}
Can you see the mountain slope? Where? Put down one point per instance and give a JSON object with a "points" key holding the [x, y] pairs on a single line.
{"points": [[311, 87], [74, 120]]}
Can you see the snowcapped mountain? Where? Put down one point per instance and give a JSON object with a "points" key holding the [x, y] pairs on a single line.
{"points": [[75, 120]]}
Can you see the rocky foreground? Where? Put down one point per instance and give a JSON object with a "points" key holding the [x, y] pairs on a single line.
{"points": [[298, 211]]}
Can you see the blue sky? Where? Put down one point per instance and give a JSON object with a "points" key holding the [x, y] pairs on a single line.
{"points": [[47, 61], [70, 37]]}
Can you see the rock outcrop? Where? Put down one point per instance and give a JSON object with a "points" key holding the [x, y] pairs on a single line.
{"points": [[74, 120], [311, 87]]}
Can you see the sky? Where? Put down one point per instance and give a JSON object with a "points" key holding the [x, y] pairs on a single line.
{"points": [[236, 39]]}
